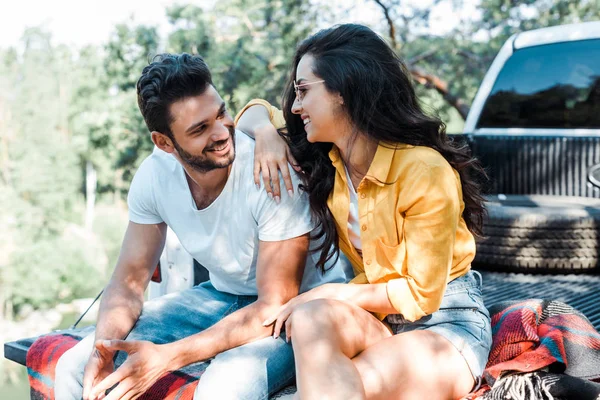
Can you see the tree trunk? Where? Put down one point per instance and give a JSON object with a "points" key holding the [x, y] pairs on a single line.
{"points": [[2, 304], [91, 180], [432, 81], [5, 136]]}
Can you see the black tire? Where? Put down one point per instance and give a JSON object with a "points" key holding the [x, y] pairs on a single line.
{"points": [[546, 234]]}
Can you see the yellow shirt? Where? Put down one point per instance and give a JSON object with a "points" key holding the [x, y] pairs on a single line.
{"points": [[412, 231]]}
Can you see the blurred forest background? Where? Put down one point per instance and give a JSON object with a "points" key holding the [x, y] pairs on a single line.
{"points": [[71, 135]]}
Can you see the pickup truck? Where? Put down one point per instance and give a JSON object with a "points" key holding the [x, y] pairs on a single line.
{"points": [[535, 126]]}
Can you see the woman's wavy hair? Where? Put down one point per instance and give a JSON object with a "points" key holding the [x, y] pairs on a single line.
{"points": [[381, 102]]}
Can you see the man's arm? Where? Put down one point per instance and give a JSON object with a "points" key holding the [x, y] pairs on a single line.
{"points": [[279, 272], [123, 297]]}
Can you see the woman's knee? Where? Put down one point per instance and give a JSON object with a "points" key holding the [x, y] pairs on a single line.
{"points": [[313, 316]]}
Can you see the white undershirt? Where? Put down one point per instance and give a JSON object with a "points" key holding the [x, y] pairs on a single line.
{"points": [[353, 223]]}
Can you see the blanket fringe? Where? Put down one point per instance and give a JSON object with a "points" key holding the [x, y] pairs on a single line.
{"points": [[518, 386]]}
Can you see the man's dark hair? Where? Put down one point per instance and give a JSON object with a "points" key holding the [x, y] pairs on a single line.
{"points": [[166, 80]]}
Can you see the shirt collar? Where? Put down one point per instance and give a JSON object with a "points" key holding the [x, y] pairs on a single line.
{"points": [[334, 154], [380, 166]]}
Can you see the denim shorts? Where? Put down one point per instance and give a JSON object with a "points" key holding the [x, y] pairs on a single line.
{"points": [[462, 319]]}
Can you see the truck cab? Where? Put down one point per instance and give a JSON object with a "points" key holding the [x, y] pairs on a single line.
{"points": [[545, 81]]}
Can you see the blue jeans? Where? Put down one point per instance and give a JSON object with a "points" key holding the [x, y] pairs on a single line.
{"points": [[253, 371]]}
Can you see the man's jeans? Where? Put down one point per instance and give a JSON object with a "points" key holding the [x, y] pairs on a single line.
{"points": [[252, 371]]}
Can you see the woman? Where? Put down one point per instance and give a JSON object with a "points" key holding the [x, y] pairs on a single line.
{"points": [[390, 191]]}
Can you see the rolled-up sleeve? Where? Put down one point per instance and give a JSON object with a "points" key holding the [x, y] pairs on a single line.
{"points": [[430, 205]]}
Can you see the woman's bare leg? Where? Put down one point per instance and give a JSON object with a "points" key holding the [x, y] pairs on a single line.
{"points": [[343, 352], [414, 365], [326, 335]]}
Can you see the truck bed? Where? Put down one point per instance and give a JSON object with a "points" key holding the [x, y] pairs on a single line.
{"points": [[577, 290]]}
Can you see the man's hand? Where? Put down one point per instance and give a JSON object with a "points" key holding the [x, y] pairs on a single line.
{"points": [[336, 291], [99, 366], [145, 364], [123, 297], [272, 155]]}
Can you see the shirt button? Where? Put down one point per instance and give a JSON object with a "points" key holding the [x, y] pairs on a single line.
{"points": [[368, 262], [363, 195], [364, 227]]}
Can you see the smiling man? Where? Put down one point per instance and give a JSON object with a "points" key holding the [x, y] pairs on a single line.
{"points": [[199, 182]]}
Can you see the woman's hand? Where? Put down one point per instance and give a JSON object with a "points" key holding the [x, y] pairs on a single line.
{"points": [[336, 291], [271, 155]]}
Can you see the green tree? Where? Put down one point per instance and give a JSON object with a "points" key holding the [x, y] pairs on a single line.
{"points": [[129, 50], [249, 45], [41, 183]]}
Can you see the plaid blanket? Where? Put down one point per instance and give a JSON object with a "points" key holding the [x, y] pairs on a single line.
{"points": [[45, 352], [528, 337], [540, 347]]}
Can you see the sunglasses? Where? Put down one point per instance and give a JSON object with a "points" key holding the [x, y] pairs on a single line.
{"points": [[300, 92]]}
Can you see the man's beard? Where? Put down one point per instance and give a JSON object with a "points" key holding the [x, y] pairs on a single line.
{"points": [[203, 163]]}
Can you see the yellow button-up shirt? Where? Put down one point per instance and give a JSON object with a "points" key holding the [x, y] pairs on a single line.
{"points": [[413, 235]]}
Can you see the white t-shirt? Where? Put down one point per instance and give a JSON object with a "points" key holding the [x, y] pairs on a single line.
{"points": [[224, 236]]}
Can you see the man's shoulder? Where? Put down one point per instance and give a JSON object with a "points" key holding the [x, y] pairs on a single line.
{"points": [[158, 169], [244, 158], [244, 146]]}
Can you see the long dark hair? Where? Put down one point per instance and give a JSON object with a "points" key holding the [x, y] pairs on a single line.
{"points": [[381, 102]]}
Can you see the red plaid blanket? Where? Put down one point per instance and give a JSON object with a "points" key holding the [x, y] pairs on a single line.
{"points": [[45, 352], [532, 335], [528, 336]]}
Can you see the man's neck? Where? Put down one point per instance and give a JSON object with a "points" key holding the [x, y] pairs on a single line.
{"points": [[206, 186]]}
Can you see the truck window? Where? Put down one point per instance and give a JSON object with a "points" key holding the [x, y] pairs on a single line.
{"points": [[550, 86]]}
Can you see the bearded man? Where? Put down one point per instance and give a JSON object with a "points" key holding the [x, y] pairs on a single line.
{"points": [[199, 182]]}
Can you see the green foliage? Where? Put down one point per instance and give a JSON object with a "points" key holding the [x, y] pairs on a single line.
{"points": [[505, 17], [254, 58], [41, 183], [41, 170], [109, 227], [15, 384], [128, 51], [193, 31], [58, 269]]}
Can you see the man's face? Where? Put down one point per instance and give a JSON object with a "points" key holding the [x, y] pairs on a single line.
{"points": [[203, 131]]}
